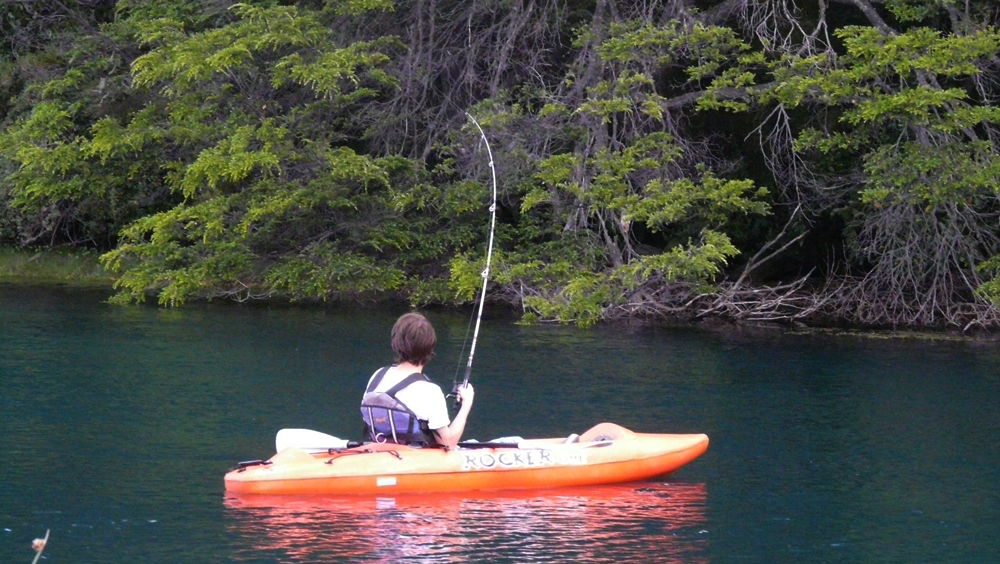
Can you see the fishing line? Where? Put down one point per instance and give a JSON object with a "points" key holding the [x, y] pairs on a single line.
{"points": [[489, 254]]}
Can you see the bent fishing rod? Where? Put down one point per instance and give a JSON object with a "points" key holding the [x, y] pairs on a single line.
{"points": [[489, 251]]}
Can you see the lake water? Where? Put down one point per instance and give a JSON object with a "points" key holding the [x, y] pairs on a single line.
{"points": [[118, 424]]}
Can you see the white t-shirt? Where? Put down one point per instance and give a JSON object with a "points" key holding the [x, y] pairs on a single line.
{"points": [[424, 398]]}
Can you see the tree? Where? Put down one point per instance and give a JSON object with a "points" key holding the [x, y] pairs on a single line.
{"points": [[750, 159], [257, 117], [55, 77], [617, 215], [902, 147]]}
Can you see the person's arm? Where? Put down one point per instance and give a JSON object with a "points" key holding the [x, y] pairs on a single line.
{"points": [[449, 435]]}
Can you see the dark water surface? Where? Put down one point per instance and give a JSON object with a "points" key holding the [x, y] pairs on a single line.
{"points": [[117, 424]]}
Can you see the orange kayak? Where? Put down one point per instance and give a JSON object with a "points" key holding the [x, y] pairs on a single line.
{"points": [[605, 454]]}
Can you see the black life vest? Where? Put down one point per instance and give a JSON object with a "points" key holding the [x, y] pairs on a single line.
{"points": [[388, 420]]}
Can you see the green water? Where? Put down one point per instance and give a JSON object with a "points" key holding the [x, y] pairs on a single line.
{"points": [[119, 422]]}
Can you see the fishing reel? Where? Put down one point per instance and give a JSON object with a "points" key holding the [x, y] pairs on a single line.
{"points": [[453, 395]]}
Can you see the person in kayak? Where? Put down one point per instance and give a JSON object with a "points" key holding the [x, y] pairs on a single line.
{"points": [[401, 404]]}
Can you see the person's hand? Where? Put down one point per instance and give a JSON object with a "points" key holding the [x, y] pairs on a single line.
{"points": [[465, 393]]}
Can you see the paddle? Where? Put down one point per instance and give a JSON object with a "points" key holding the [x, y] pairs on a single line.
{"points": [[529, 445], [315, 441], [309, 441]]}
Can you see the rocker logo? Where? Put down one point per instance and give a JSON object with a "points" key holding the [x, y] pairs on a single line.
{"points": [[520, 459]]}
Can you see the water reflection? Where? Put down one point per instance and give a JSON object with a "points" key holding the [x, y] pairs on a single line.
{"points": [[664, 522]]}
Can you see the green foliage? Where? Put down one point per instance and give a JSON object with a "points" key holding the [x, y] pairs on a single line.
{"points": [[965, 173], [609, 219], [271, 203], [889, 79], [694, 262], [246, 151], [259, 200], [710, 199], [910, 131], [233, 159], [582, 300], [54, 191], [991, 288], [713, 57], [915, 10]]}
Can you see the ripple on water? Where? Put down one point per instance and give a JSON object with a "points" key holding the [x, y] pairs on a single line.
{"points": [[604, 524]]}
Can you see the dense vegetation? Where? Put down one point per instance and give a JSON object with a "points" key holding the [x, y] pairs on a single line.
{"points": [[828, 161]]}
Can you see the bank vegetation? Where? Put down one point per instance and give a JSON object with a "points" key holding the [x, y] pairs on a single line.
{"points": [[828, 162]]}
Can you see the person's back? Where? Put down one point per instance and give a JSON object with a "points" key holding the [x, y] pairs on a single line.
{"points": [[388, 417], [400, 404]]}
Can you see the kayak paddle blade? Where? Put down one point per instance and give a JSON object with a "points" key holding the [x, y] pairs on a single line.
{"points": [[307, 440]]}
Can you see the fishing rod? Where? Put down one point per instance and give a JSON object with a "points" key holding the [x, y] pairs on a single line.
{"points": [[489, 250]]}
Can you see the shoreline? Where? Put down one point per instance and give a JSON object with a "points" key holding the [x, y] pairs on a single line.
{"points": [[68, 267], [75, 268]]}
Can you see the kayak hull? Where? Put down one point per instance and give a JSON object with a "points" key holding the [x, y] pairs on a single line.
{"points": [[605, 454]]}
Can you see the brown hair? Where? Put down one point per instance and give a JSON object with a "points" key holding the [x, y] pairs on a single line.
{"points": [[413, 339]]}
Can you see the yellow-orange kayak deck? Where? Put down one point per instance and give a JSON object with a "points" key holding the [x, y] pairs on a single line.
{"points": [[605, 454]]}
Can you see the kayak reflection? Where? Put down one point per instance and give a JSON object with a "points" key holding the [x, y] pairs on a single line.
{"points": [[663, 522]]}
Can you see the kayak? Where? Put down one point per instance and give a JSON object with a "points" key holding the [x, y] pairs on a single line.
{"points": [[605, 454]]}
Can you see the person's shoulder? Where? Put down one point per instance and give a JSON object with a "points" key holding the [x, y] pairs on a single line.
{"points": [[425, 385], [383, 370]]}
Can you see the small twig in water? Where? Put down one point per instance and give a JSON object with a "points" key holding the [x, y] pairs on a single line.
{"points": [[39, 546]]}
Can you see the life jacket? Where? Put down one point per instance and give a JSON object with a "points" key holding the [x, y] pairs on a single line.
{"points": [[388, 420]]}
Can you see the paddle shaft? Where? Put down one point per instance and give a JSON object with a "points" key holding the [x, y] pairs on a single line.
{"points": [[524, 446]]}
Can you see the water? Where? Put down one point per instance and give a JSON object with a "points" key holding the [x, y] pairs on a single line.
{"points": [[118, 423]]}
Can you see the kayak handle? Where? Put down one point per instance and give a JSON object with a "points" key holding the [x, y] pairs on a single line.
{"points": [[248, 463]]}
